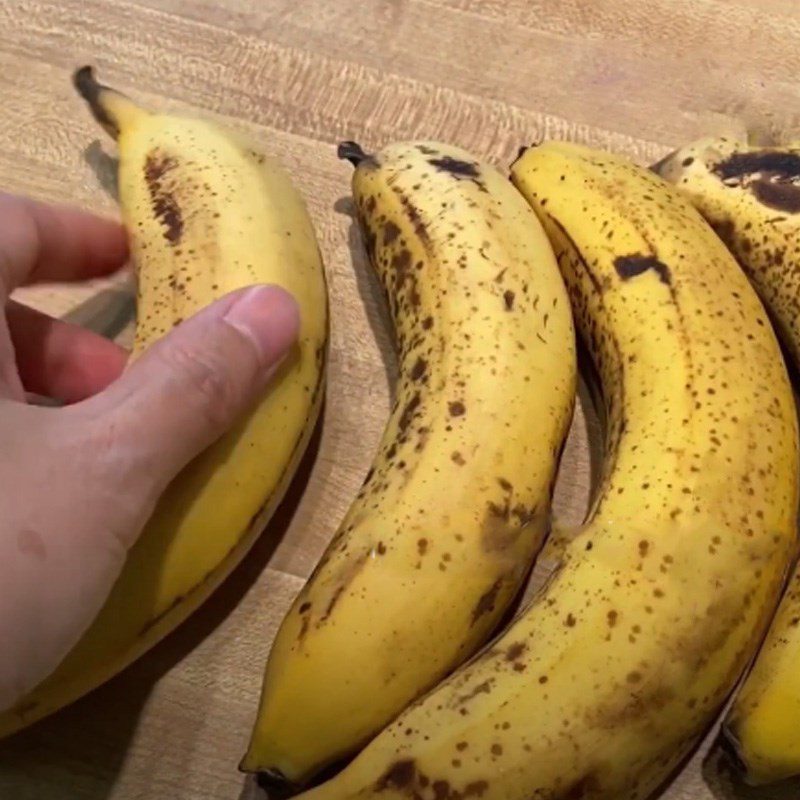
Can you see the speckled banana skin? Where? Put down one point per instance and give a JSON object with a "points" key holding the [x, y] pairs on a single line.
{"points": [[600, 686], [207, 213], [444, 531], [751, 196]]}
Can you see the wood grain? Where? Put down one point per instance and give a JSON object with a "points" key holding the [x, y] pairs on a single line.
{"points": [[490, 75]]}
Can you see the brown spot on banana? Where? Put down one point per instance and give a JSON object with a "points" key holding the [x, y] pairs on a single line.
{"points": [[400, 775], [456, 408], [455, 166], [346, 575], [404, 777], [499, 532], [515, 650], [421, 226], [166, 209], [409, 412], [524, 514], [390, 233], [484, 687], [487, 601]]}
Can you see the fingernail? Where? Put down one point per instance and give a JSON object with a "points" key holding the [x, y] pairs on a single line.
{"points": [[270, 318]]}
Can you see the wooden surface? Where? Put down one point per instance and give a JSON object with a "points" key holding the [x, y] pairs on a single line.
{"points": [[490, 75]]}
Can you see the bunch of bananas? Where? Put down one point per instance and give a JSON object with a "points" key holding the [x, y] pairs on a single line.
{"points": [[676, 278]]}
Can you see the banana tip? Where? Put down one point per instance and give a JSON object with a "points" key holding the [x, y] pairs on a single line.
{"points": [[524, 149], [729, 743], [275, 783]]}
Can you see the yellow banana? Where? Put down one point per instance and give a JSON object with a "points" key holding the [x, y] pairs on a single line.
{"points": [[207, 213], [619, 664], [751, 196], [438, 542]]}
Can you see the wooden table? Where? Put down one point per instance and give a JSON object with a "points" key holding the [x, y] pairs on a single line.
{"points": [[638, 77]]}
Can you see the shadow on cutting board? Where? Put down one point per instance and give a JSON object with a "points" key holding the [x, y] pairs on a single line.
{"points": [[105, 168], [91, 737], [725, 783], [372, 294]]}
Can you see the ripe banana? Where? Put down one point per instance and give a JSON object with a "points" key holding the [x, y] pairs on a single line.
{"points": [[602, 684], [207, 213], [751, 196], [456, 504]]}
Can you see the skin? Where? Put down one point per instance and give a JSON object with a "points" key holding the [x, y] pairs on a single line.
{"points": [[78, 481]]}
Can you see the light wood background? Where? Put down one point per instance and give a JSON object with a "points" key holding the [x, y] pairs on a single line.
{"points": [[638, 76]]}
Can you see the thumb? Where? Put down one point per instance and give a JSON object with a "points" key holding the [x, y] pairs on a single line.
{"points": [[189, 387]]}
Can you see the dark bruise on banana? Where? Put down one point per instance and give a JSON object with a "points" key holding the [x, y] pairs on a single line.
{"points": [[621, 662], [166, 209], [457, 501]]}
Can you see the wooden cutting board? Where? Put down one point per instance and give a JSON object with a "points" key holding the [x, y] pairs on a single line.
{"points": [[637, 77]]}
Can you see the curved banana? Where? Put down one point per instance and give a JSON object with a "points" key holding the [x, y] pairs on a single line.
{"points": [[442, 534], [620, 663], [751, 196], [207, 213]]}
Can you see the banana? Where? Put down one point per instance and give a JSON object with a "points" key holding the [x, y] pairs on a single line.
{"points": [[603, 683], [751, 196], [440, 538], [207, 212]]}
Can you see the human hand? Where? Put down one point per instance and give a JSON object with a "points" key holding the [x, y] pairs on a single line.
{"points": [[78, 482]]}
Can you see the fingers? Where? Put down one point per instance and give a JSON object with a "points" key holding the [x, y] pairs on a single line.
{"points": [[41, 242], [193, 384], [60, 360]]}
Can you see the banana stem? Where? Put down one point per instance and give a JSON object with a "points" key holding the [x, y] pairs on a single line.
{"points": [[352, 152], [112, 109]]}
